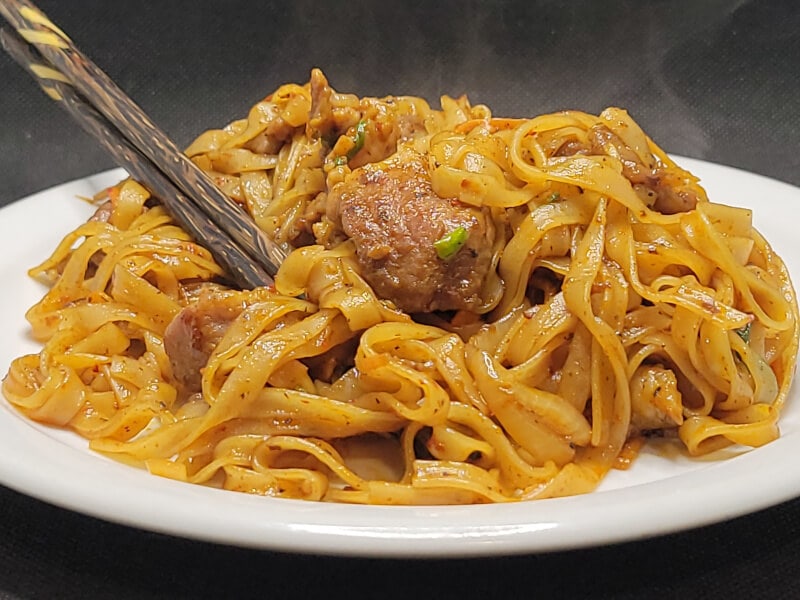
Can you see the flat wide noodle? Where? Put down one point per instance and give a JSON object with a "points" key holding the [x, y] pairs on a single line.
{"points": [[618, 303]]}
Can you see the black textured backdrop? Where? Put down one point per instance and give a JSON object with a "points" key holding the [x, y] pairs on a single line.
{"points": [[717, 80]]}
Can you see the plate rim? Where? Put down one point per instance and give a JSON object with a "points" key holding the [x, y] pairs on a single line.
{"points": [[143, 501]]}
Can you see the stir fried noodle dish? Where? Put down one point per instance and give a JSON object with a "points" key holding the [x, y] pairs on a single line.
{"points": [[473, 309]]}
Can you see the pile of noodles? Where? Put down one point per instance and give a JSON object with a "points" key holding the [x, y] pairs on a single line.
{"points": [[606, 320]]}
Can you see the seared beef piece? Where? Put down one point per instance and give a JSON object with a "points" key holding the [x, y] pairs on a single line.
{"points": [[194, 333], [103, 212], [388, 120], [321, 120], [394, 217], [332, 364], [671, 194]]}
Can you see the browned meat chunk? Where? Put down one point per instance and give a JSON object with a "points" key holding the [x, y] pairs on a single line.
{"points": [[103, 212], [394, 217], [194, 333], [321, 122], [671, 194], [387, 120], [332, 364]]}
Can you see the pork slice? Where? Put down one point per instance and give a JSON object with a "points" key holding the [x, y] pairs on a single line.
{"points": [[671, 194], [394, 218], [195, 331], [103, 212], [321, 122], [388, 120]]}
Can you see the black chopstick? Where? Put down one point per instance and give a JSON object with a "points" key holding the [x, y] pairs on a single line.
{"points": [[237, 263], [141, 132]]}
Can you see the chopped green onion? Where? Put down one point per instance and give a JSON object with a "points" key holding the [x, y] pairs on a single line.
{"points": [[744, 332], [450, 243], [358, 144], [361, 134], [554, 197]]}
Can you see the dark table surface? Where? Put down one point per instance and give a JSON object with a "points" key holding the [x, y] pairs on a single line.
{"points": [[717, 80]]}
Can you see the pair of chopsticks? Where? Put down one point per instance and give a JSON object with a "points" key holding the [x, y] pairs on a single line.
{"points": [[106, 113]]}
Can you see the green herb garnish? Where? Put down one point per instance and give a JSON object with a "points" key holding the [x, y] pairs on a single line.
{"points": [[361, 134], [744, 332], [358, 144], [554, 197], [450, 243]]}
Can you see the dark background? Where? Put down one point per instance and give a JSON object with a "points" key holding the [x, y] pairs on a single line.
{"points": [[717, 80]]}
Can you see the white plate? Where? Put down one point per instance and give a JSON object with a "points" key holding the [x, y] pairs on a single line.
{"points": [[663, 492]]}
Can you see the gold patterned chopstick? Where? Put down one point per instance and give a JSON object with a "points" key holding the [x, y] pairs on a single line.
{"points": [[237, 263], [94, 85]]}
